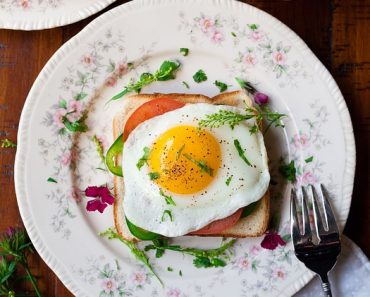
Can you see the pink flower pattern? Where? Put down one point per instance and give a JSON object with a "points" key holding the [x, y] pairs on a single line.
{"points": [[24, 4], [250, 59], [109, 285], [278, 273], [243, 263], [58, 117], [174, 293], [206, 24], [300, 141], [279, 57], [138, 278]]}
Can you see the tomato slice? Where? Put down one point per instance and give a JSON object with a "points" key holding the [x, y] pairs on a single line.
{"points": [[160, 106], [220, 225], [149, 110]]}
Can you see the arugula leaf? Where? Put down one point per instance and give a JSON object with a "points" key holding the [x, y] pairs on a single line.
{"points": [[203, 258], [241, 152], [153, 175], [178, 153], [309, 160], [184, 51], [200, 76], [99, 147], [139, 254], [168, 198], [76, 126], [224, 117], [165, 72], [167, 212], [201, 164], [144, 159], [52, 180], [228, 181], [186, 84], [288, 171], [222, 86], [6, 143]]}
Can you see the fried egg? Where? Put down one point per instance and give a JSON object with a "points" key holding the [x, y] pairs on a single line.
{"points": [[195, 175]]}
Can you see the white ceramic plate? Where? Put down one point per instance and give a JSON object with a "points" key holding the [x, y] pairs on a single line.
{"points": [[226, 39], [45, 14]]}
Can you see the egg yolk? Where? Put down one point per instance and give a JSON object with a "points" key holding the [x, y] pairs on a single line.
{"points": [[186, 158]]}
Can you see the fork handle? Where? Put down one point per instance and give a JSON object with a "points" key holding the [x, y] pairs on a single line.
{"points": [[325, 284]]}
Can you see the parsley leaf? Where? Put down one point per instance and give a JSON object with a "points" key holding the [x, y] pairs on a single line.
{"points": [[203, 258], [224, 117], [200, 76], [168, 198], [228, 181], [167, 212], [52, 180], [288, 171], [241, 152], [201, 164], [76, 126], [99, 147], [6, 143], [144, 159], [165, 72], [138, 253], [184, 51], [222, 86], [153, 175], [309, 160], [178, 153]]}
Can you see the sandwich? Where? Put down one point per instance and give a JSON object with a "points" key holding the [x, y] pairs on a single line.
{"points": [[182, 172]]}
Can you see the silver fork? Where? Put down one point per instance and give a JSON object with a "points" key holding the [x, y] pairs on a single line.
{"points": [[321, 255]]}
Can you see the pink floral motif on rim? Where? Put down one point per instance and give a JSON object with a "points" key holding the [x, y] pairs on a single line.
{"points": [[75, 107], [109, 285], [87, 60], [300, 141], [206, 24], [278, 273], [174, 293], [279, 57], [138, 278], [217, 36], [67, 158], [58, 117], [250, 59], [111, 81], [306, 178], [256, 35], [243, 263], [255, 250], [24, 3]]}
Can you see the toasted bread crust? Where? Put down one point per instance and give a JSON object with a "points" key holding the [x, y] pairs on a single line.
{"points": [[252, 226]]}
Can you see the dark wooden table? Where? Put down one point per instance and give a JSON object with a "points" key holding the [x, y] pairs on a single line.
{"points": [[338, 32]]}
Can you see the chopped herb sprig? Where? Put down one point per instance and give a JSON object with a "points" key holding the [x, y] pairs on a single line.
{"points": [[241, 152], [221, 86], [288, 171], [154, 175], [99, 147], [168, 213], [201, 164], [203, 258], [200, 76], [138, 253], [168, 198], [184, 51], [144, 159], [166, 71], [6, 143]]}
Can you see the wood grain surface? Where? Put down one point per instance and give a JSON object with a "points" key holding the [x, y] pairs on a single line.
{"points": [[337, 31]]}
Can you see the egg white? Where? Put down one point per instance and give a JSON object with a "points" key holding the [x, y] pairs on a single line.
{"points": [[144, 206]]}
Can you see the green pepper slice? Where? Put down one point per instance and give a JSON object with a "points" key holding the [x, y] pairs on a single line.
{"points": [[249, 209], [112, 155], [140, 232]]}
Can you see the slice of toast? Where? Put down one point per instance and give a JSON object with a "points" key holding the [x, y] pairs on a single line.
{"points": [[250, 226]]}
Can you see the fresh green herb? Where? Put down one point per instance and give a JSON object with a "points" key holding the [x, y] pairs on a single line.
{"points": [[184, 51], [99, 147], [288, 171], [228, 181], [249, 209], [200, 76], [165, 72], [241, 152], [76, 126], [167, 212], [168, 198], [52, 180], [253, 26], [140, 232], [180, 272], [130, 65], [222, 86], [138, 253], [178, 153], [245, 85], [144, 159], [6, 143], [233, 34], [309, 160], [227, 117], [224, 117], [201, 164], [15, 246], [186, 84], [153, 175], [169, 269], [203, 258]]}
